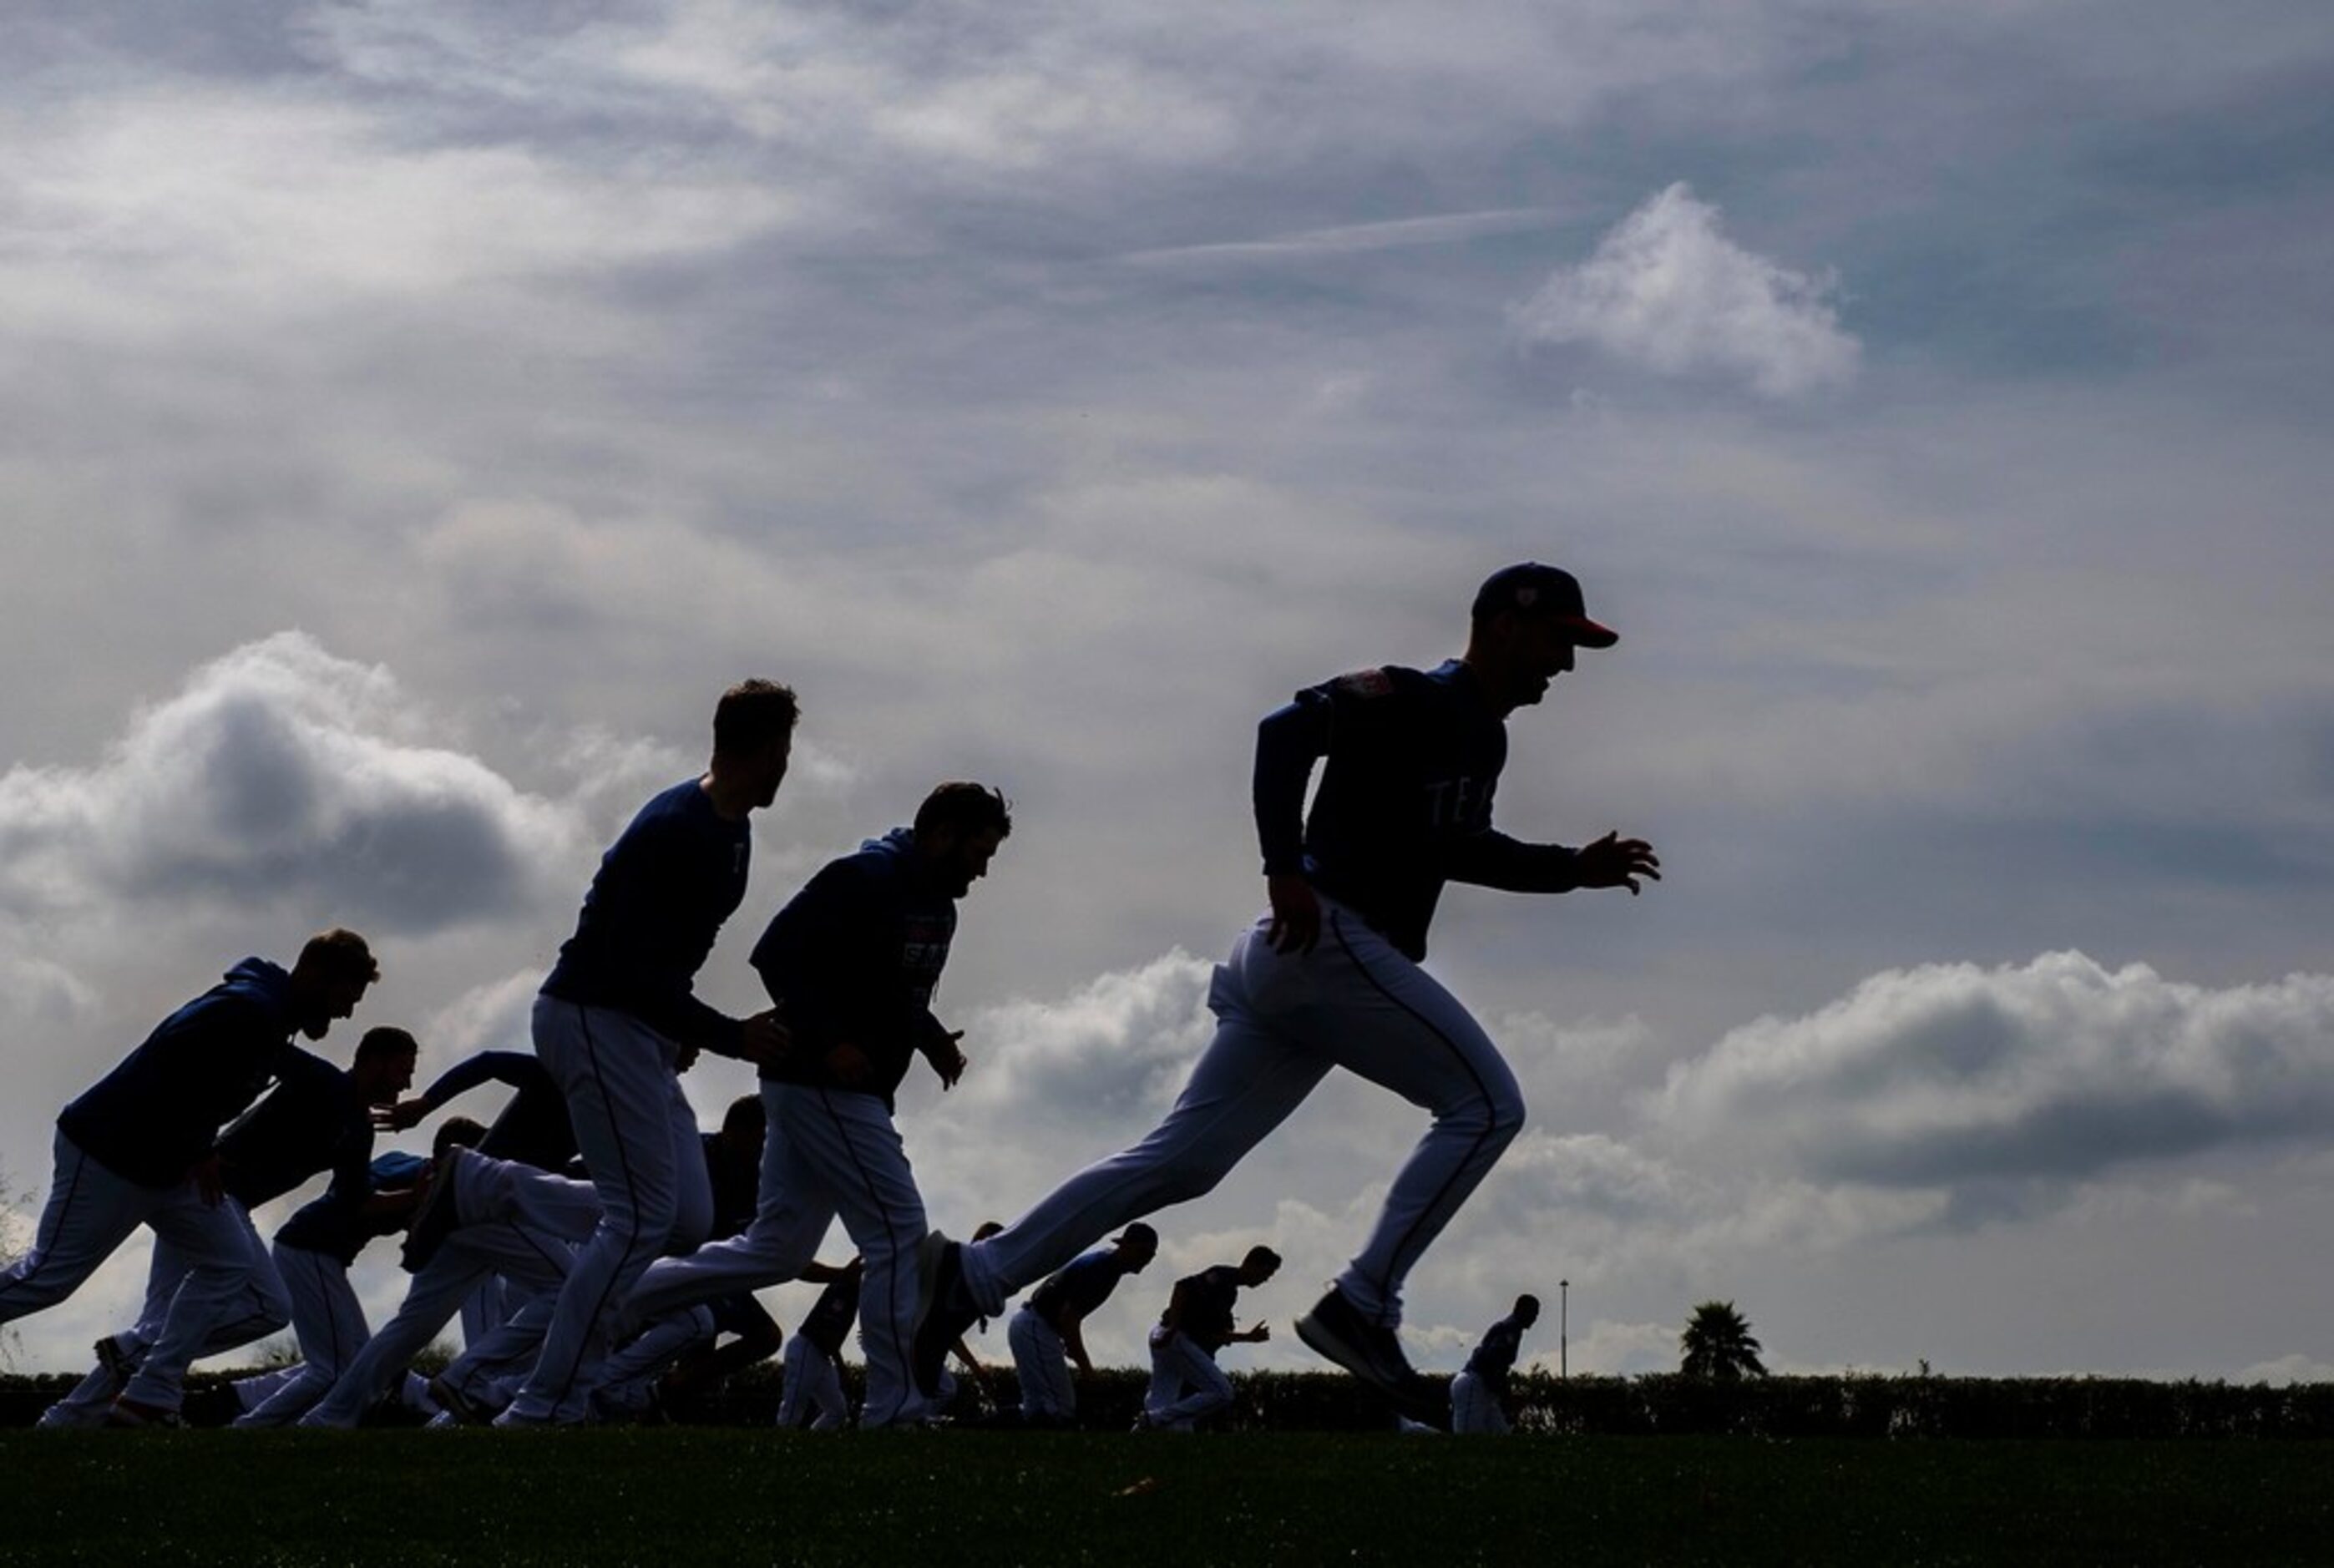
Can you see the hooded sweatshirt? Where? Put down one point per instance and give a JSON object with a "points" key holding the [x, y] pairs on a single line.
{"points": [[853, 959], [155, 1116]]}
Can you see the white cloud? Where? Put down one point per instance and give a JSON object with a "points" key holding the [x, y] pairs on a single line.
{"points": [[1950, 1074], [1608, 1349], [1115, 1050], [1668, 291], [280, 774], [2296, 1368]]}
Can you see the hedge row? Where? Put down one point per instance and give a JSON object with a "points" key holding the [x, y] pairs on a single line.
{"points": [[1849, 1406]]}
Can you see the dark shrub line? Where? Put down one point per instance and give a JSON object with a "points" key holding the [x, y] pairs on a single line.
{"points": [[1850, 1405]]}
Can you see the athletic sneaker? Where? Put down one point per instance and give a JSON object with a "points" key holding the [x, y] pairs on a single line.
{"points": [[135, 1413], [117, 1358], [452, 1401], [1337, 1329], [945, 1312]]}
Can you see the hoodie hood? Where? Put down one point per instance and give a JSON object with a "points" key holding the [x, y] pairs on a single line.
{"points": [[898, 841], [268, 984]]}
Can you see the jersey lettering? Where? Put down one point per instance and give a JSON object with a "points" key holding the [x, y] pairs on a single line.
{"points": [[1464, 801]]}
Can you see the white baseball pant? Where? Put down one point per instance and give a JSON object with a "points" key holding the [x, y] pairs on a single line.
{"points": [[1185, 1381], [468, 1257], [638, 1137], [189, 1311], [829, 1152], [812, 1382], [1283, 1020], [1043, 1365], [90, 1212], [1475, 1409], [635, 1365], [329, 1326], [251, 1310]]}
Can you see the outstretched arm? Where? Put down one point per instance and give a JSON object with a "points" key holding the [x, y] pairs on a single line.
{"points": [[509, 1067], [1492, 860]]}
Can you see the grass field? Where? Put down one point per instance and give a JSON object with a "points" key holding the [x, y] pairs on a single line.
{"points": [[731, 1496]]}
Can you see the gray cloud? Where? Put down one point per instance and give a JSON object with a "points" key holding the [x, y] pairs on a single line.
{"points": [[570, 363], [1954, 1076], [281, 772], [1113, 1052]]}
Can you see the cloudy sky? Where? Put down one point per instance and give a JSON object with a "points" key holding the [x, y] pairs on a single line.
{"points": [[413, 414]]}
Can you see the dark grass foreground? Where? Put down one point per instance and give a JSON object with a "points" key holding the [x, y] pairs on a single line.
{"points": [[739, 1496]]}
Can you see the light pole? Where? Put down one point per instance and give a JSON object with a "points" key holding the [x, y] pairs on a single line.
{"points": [[1563, 1327]]}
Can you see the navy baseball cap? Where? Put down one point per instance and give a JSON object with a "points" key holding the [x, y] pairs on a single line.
{"points": [[1531, 589]]}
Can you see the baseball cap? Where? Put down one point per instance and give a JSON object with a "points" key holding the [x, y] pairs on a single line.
{"points": [[1531, 589]]}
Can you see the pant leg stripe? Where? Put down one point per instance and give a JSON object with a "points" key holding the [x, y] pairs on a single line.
{"points": [[883, 1214], [43, 1248], [600, 1307], [1386, 1280]]}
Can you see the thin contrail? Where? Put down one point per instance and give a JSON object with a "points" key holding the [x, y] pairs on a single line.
{"points": [[1441, 229]]}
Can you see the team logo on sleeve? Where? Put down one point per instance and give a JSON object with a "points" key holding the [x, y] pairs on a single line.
{"points": [[1366, 683]]}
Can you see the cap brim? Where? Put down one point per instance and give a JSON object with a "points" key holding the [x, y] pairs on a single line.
{"points": [[1588, 633]]}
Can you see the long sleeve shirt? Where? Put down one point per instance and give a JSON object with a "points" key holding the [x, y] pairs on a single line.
{"points": [[315, 1119], [853, 959], [532, 1127], [662, 891], [1410, 762], [1495, 1356], [155, 1116], [335, 1224]]}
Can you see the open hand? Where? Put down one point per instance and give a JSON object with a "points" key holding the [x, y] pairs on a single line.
{"points": [[947, 1060], [765, 1038], [1612, 862]]}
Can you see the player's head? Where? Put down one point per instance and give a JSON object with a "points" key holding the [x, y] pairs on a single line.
{"points": [[1526, 622], [957, 830], [745, 1124], [330, 977], [1261, 1265], [1527, 1311], [383, 1064], [753, 736], [1136, 1245], [987, 1229], [456, 1133]]}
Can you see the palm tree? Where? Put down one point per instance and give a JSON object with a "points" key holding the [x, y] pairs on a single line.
{"points": [[1717, 1345]]}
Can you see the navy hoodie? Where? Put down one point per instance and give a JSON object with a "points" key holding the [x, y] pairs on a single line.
{"points": [[155, 1116], [853, 959]]}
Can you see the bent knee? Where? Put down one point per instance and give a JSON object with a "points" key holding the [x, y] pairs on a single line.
{"points": [[1495, 1114], [1192, 1178]]}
